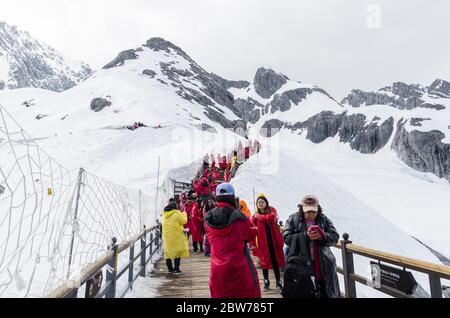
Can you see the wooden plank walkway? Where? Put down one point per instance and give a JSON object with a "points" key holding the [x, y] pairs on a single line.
{"points": [[193, 282]]}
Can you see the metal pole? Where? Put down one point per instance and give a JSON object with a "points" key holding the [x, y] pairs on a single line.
{"points": [[254, 203], [151, 245], [157, 191], [348, 267], [435, 286], [130, 272], [141, 221], [111, 271], [143, 257], [80, 176]]}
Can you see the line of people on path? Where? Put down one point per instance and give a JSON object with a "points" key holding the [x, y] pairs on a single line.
{"points": [[233, 234], [212, 214]]}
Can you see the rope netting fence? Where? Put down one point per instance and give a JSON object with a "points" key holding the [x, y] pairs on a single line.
{"points": [[55, 221]]}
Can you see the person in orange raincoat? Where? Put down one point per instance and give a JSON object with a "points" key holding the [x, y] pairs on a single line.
{"points": [[244, 208]]}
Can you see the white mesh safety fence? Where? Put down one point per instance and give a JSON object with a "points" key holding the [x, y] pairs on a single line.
{"points": [[55, 221]]}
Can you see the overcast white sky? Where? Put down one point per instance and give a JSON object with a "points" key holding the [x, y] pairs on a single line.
{"points": [[338, 45]]}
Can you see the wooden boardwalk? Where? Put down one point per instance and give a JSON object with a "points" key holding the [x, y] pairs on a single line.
{"points": [[193, 282]]}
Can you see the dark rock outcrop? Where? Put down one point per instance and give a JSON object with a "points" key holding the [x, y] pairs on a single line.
{"points": [[423, 151], [206, 127], [418, 121], [353, 129], [97, 104], [149, 73], [122, 57], [267, 82], [440, 88], [283, 102], [160, 44], [227, 84], [399, 95], [248, 109]]}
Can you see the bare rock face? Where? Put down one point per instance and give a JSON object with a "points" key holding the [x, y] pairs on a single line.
{"points": [[227, 84], [149, 73], [440, 88], [401, 96], [248, 109], [97, 104], [353, 129], [423, 151], [122, 57], [31, 63], [267, 82]]}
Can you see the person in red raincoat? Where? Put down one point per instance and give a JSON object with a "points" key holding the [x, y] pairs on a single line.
{"points": [[246, 153], [215, 178], [227, 175], [206, 173], [232, 274], [204, 188], [213, 161], [197, 228], [223, 163], [270, 242], [196, 185], [187, 208]]}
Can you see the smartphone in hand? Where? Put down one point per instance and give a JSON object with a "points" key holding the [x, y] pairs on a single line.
{"points": [[314, 228]]}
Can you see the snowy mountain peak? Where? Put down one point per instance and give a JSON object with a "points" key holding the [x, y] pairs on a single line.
{"points": [[268, 81], [160, 44], [402, 96], [440, 87], [27, 62]]}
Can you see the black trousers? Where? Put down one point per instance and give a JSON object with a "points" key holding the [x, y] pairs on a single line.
{"points": [[273, 259], [276, 270], [196, 247], [177, 262]]}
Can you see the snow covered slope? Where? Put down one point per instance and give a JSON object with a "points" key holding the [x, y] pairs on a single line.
{"points": [[156, 84], [27, 62]]}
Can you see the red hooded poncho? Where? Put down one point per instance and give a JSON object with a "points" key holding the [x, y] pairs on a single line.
{"points": [[265, 223], [233, 274]]}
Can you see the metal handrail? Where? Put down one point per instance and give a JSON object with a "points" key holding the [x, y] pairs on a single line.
{"points": [[436, 272], [70, 288]]}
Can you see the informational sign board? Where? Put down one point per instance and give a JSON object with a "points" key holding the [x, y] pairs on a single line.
{"points": [[392, 277]]}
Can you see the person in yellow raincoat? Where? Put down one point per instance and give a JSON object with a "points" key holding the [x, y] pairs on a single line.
{"points": [[175, 241]]}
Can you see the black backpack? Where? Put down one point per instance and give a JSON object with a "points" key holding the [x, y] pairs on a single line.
{"points": [[299, 276]]}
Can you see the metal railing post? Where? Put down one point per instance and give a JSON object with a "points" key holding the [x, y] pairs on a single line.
{"points": [[111, 271], [435, 286], [348, 267], [151, 245], [75, 217], [157, 239], [143, 248], [131, 268], [141, 221], [157, 190]]}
